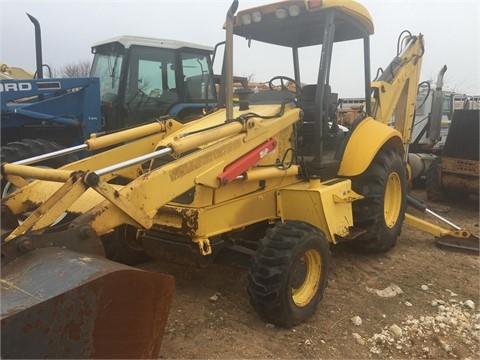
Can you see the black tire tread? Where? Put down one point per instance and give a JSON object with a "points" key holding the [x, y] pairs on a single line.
{"points": [[368, 212], [27, 148], [270, 266], [117, 248]]}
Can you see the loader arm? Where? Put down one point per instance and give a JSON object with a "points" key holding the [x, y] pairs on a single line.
{"points": [[221, 144], [138, 141]]}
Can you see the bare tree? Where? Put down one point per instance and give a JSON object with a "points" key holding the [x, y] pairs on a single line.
{"points": [[79, 69]]}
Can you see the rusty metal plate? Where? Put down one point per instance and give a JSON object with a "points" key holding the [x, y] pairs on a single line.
{"points": [[59, 304]]}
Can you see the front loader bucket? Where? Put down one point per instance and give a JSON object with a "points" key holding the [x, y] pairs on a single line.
{"points": [[59, 304]]}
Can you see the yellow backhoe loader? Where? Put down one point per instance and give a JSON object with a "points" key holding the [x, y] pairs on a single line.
{"points": [[268, 185]]}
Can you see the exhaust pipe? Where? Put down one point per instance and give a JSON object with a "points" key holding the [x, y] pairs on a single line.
{"points": [[440, 77], [437, 107], [38, 46], [229, 58]]}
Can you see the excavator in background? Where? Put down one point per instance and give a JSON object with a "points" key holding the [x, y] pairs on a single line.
{"points": [[433, 115], [455, 170], [444, 151], [268, 185]]}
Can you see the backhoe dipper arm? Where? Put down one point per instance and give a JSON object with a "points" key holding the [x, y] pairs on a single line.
{"points": [[457, 237], [395, 90]]}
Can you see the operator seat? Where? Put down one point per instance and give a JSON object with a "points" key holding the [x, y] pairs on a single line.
{"points": [[332, 134], [307, 103]]}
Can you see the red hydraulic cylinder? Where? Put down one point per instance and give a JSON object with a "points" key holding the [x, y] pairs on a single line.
{"points": [[244, 163]]}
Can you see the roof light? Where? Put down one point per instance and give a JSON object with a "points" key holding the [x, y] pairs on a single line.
{"points": [[281, 13], [294, 10], [256, 16], [246, 19]]}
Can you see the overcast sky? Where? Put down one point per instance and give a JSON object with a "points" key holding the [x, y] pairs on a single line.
{"points": [[70, 27]]}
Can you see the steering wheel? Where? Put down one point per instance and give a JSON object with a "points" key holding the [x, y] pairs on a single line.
{"points": [[284, 87]]}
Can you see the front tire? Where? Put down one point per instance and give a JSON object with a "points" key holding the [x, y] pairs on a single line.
{"points": [[382, 210], [124, 245], [289, 273]]}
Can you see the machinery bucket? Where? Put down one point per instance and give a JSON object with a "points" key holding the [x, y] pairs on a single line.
{"points": [[61, 304], [469, 244], [464, 241]]}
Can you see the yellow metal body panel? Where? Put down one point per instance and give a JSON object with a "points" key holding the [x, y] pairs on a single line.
{"points": [[227, 208], [325, 205], [219, 218], [365, 141], [351, 8], [316, 9]]}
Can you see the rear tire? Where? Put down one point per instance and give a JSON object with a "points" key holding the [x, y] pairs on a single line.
{"points": [[382, 210], [27, 148], [289, 273]]}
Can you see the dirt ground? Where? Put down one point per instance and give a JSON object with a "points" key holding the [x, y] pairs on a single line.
{"points": [[416, 301]]}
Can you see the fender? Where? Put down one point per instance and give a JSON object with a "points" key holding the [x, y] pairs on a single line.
{"points": [[364, 142]]}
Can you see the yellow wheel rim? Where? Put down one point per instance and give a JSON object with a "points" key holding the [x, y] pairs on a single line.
{"points": [[393, 200], [306, 278]]}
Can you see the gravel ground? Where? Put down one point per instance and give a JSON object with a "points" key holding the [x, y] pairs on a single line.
{"points": [[418, 301]]}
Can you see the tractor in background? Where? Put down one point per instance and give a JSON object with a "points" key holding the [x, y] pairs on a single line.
{"points": [[132, 81]]}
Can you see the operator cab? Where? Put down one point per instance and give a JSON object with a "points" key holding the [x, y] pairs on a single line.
{"points": [[298, 25], [145, 78]]}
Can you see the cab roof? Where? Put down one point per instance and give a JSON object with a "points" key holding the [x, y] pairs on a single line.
{"points": [[128, 41], [352, 21]]}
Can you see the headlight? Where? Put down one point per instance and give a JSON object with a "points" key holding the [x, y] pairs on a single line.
{"points": [[246, 19], [257, 16], [294, 10], [281, 13]]}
